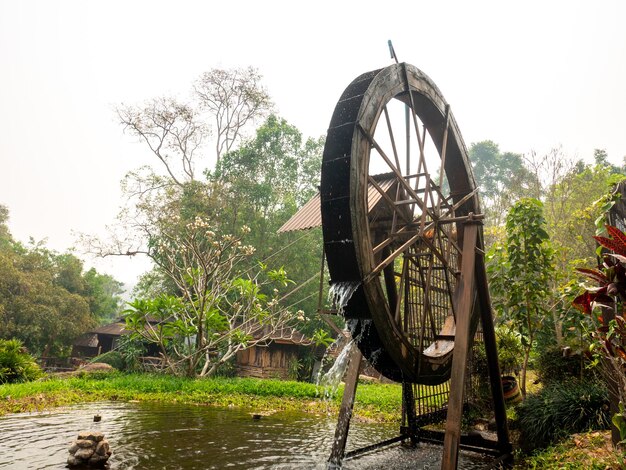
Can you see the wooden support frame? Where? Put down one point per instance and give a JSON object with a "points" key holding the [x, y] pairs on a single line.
{"points": [[415, 222], [345, 412], [462, 344]]}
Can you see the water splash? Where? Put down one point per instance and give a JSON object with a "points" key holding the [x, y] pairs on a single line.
{"points": [[329, 382], [341, 292]]}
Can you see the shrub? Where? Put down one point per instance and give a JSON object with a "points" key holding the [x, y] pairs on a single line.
{"points": [[16, 365], [112, 358], [510, 350], [552, 366], [560, 410]]}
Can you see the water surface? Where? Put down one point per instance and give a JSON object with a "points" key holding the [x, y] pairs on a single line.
{"points": [[173, 436]]}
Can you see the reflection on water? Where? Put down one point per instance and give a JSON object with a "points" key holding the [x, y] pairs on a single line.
{"points": [[168, 436]]}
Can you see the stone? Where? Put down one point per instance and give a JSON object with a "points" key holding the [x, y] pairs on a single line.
{"points": [[84, 443], [91, 435], [103, 447], [91, 449], [83, 454], [96, 460]]}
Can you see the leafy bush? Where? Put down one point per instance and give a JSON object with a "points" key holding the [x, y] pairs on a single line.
{"points": [[560, 410], [510, 350], [552, 366], [16, 365], [112, 358]]}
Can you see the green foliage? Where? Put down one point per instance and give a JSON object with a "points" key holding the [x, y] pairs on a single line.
{"points": [[562, 409], [510, 350], [575, 209], [104, 295], [262, 184], [322, 338], [552, 366], [125, 357], [619, 421], [604, 308], [585, 451], [501, 177], [219, 308], [45, 298], [521, 272], [113, 358], [16, 365]]}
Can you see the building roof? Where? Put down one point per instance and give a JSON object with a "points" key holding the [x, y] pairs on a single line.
{"points": [[87, 340], [113, 329], [310, 215], [284, 335]]}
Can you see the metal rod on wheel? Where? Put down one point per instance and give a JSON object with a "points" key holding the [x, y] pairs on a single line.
{"points": [[345, 412]]}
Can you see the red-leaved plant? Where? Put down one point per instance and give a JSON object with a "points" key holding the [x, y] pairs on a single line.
{"points": [[609, 334]]}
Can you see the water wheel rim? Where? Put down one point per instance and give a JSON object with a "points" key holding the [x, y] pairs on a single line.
{"points": [[377, 89]]}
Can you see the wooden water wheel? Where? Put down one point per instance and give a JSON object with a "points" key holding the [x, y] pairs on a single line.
{"points": [[396, 192], [403, 242]]}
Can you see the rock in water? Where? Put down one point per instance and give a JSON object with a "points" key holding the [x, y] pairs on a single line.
{"points": [[90, 449]]}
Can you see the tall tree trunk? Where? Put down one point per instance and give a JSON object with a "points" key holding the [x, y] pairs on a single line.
{"points": [[523, 372]]}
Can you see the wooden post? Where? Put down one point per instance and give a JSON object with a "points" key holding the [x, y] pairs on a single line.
{"points": [[345, 412], [491, 350], [461, 348], [408, 408]]}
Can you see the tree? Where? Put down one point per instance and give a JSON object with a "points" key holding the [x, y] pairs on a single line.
{"points": [[175, 132], [220, 309], [44, 296], [172, 131], [34, 307], [520, 274], [501, 177], [104, 295], [270, 176], [267, 180], [233, 98]]}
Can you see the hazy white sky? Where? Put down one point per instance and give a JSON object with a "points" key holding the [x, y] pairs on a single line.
{"points": [[529, 75]]}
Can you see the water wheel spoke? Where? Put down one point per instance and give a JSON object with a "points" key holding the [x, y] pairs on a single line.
{"points": [[444, 148], [391, 137], [390, 202], [400, 177]]}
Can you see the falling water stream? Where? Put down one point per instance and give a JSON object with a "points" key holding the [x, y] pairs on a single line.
{"points": [[340, 293], [329, 381]]}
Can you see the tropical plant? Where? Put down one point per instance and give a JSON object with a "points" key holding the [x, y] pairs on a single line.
{"points": [[16, 365], [603, 304]]}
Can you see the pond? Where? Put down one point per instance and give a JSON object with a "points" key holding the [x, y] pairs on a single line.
{"points": [[173, 436]]}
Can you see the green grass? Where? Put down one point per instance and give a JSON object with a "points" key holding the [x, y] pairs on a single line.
{"points": [[586, 451], [377, 402]]}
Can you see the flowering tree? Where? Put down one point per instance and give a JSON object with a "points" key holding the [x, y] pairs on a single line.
{"points": [[219, 310]]}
